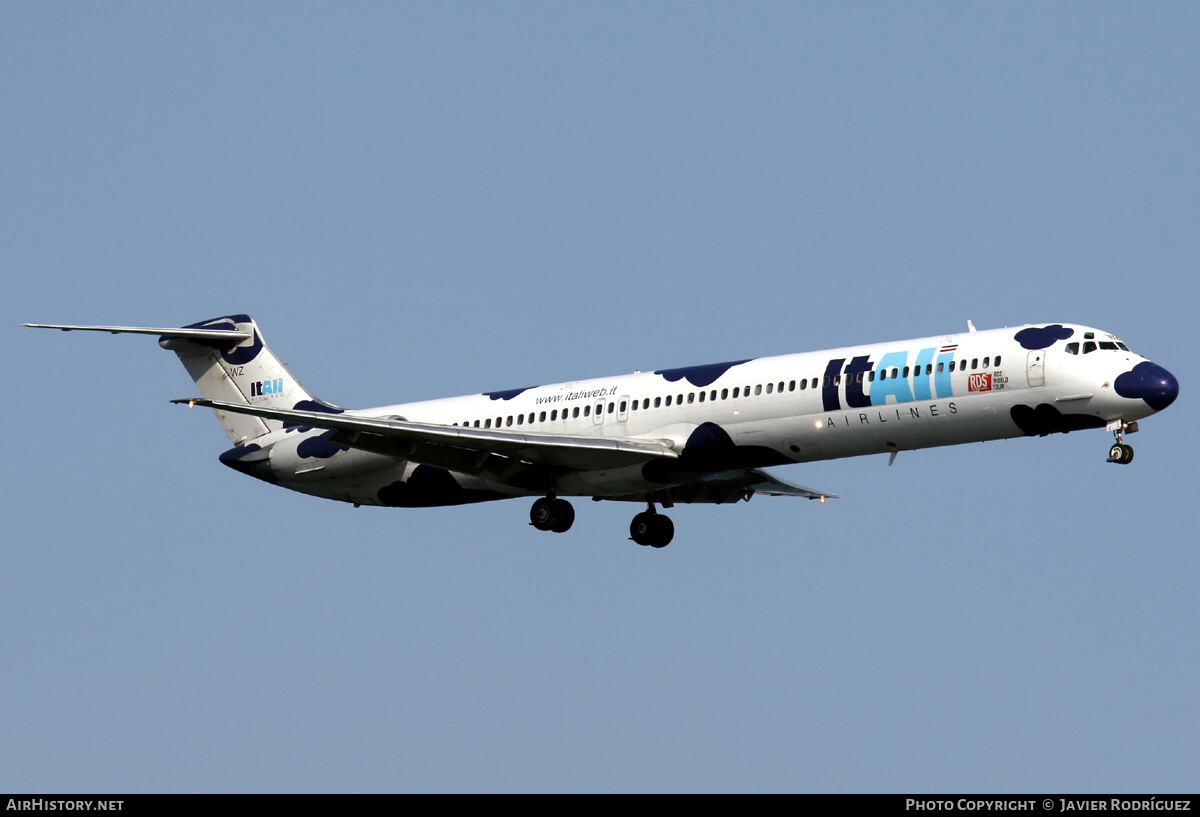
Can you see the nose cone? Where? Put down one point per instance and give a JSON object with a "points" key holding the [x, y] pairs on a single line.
{"points": [[1150, 382]]}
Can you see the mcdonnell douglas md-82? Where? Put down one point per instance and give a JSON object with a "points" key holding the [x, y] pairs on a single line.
{"points": [[692, 434]]}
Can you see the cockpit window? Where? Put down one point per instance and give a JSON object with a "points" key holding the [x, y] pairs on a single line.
{"points": [[1109, 345], [1072, 348], [1122, 346], [1089, 347]]}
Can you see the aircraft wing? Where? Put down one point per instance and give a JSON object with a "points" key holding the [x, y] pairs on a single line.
{"points": [[459, 447], [763, 483], [733, 486]]}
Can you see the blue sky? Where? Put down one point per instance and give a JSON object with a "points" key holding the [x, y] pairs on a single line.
{"points": [[421, 200]]}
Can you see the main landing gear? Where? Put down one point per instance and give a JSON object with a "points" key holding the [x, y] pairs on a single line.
{"points": [[1121, 452], [551, 513], [652, 528], [648, 527]]}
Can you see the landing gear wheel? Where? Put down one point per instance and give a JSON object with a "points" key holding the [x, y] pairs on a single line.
{"points": [[542, 513], [652, 529], [552, 514], [664, 531], [641, 529], [1120, 453], [563, 516]]}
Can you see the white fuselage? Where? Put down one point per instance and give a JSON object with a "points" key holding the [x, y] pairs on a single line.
{"points": [[851, 401]]}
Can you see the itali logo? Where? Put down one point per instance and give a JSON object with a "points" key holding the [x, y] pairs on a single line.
{"points": [[262, 387]]}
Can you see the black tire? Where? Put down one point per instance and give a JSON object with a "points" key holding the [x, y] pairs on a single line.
{"points": [[563, 516], [541, 515], [664, 531], [641, 529]]}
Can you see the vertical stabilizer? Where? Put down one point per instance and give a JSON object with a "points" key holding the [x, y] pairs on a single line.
{"points": [[244, 372]]}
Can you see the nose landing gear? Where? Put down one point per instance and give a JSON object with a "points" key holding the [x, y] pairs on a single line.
{"points": [[1121, 452]]}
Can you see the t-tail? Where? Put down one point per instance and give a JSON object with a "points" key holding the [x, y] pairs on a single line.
{"points": [[229, 362]]}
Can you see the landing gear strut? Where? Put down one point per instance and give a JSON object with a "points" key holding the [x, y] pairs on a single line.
{"points": [[550, 513], [1121, 452], [652, 528]]}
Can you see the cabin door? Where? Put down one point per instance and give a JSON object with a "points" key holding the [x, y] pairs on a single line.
{"points": [[1035, 368]]}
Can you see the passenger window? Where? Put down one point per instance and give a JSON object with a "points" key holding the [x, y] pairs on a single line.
{"points": [[679, 399], [646, 403], [701, 397], [791, 385], [587, 411], [985, 362], [941, 368], [668, 399], [657, 402], [906, 371], [712, 395], [691, 397], [611, 408], [508, 420], [997, 363], [952, 365], [758, 389], [724, 394], [736, 391], [895, 372], [520, 419], [974, 363], [622, 406], [575, 412], [770, 388], [487, 423], [542, 417], [804, 384]]}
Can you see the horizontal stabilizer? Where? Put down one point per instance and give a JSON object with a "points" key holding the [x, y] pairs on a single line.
{"points": [[172, 332]]}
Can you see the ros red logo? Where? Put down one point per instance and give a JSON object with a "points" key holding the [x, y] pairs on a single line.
{"points": [[979, 382]]}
